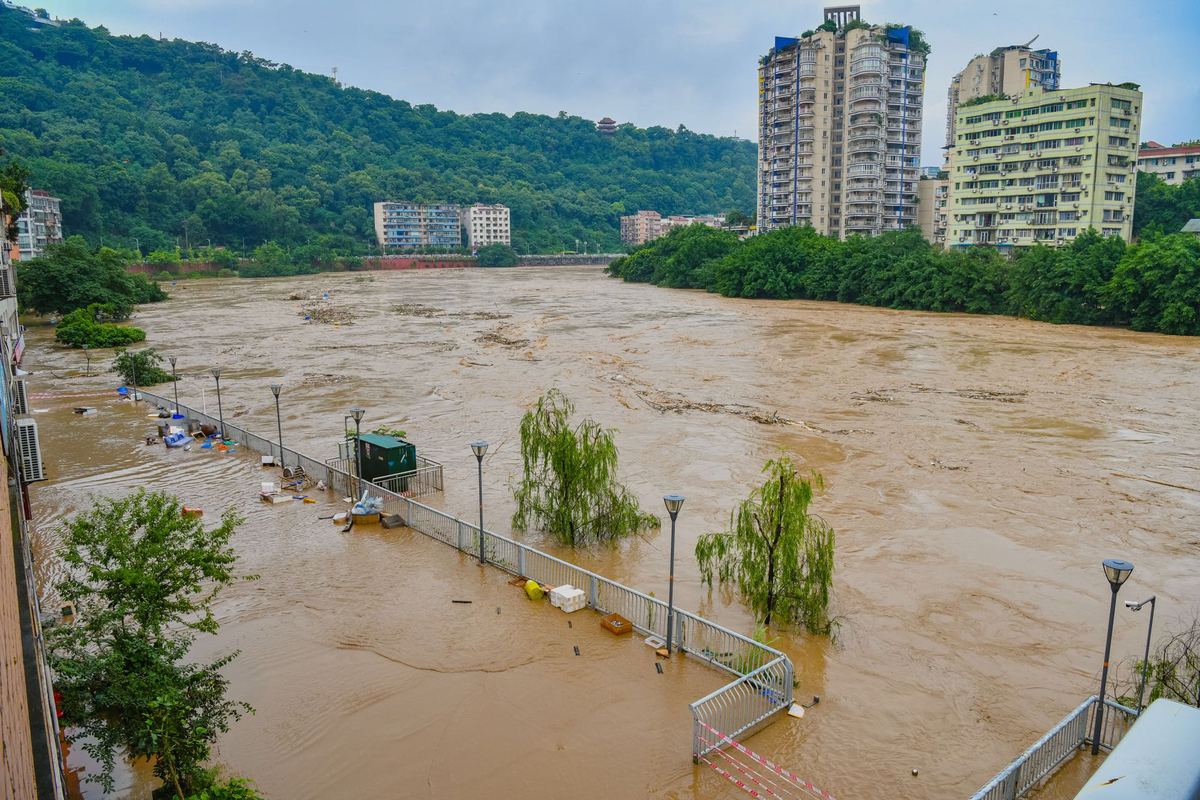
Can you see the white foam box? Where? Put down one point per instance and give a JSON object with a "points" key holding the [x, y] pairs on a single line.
{"points": [[573, 600], [268, 461], [558, 592], [268, 487], [276, 498]]}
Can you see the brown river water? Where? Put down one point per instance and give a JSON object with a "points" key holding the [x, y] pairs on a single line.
{"points": [[977, 469]]}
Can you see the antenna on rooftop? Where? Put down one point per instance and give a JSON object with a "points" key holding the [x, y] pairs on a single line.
{"points": [[335, 80]]}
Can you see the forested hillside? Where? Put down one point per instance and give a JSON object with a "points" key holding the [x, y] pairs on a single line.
{"points": [[156, 140]]}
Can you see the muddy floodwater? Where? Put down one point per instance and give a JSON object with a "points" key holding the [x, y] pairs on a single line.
{"points": [[977, 471]]}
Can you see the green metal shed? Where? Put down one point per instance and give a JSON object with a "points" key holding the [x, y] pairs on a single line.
{"points": [[381, 456]]}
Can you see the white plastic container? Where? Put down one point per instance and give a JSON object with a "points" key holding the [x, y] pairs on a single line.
{"points": [[559, 592], [573, 600], [268, 487]]}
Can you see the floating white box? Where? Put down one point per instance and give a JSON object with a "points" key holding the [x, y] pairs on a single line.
{"points": [[268, 487], [573, 600], [276, 498], [558, 592], [268, 461]]}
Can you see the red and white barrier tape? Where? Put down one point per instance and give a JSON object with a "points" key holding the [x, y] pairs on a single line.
{"points": [[778, 770], [758, 780]]}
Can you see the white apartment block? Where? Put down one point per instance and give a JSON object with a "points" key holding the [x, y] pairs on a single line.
{"points": [[488, 225], [840, 127], [39, 225], [1174, 165]]}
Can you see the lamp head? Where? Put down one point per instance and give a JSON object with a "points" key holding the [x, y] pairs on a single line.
{"points": [[172, 360], [275, 389], [673, 502], [86, 347], [1117, 572], [216, 372], [1133, 605], [357, 414], [479, 447]]}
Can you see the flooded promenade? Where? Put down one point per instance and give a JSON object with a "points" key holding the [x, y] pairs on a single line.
{"points": [[977, 470]]}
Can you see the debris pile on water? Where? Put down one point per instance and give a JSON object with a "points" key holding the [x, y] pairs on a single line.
{"points": [[417, 310], [327, 315], [502, 339], [323, 379]]}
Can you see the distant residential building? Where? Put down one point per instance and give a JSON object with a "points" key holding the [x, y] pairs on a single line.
{"points": [[646, 226], [607, 125], [1045, 166], [1173, 164], [839, 139], [39, 225], [1006, 70], [488, 225], [403, 225], [933, 201]]}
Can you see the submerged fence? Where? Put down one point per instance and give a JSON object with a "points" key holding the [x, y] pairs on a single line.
{"points": [[1047, 754], [764, 676]]}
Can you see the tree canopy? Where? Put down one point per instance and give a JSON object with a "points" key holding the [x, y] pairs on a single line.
{"points": [[184, 142], [71, 275]]}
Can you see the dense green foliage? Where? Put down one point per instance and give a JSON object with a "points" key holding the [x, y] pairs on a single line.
{"points": [[140, 367], [71, 275], [1151, 285], [496, 255], [89, 327], [174, 140], [142, 577], [569, 486], [1162, 207], [778, 554], [986, 98]]}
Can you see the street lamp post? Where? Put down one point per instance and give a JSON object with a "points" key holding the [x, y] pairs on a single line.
{"points": [[357, 413], [133, 365], [174, 382], [673, 502], [216, 373], [87, 357], [479, 447], [1117, 572], [1132, 606], [275, 389]]}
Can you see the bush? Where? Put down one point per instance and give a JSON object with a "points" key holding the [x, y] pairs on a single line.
{"points": [[70, 275], [85, 326], [496, 255], [140, 368]]}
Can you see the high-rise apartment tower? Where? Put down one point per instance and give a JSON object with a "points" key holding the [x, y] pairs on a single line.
{"points": [[839, 140], [1004, 71]]}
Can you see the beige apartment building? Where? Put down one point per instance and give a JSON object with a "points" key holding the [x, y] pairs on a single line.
{"points": [[488, 224], [840, 127], [933, 209], [1045, 166], [1174, 165], [1008, 70], [646, 226]]}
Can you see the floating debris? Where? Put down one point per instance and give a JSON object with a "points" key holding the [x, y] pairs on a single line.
{"points": [[327, 315], [322, 379], [496, 337], [417, 310]]}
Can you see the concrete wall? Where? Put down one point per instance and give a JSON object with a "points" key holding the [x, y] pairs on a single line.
{"points": [[17, 781]]}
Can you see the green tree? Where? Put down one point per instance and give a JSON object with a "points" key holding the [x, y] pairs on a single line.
{"points": [[140, 367], [71, 275], [143, 577], [778, 554], [569, 486], [1156, 286], [90, 326], [496, 255]]}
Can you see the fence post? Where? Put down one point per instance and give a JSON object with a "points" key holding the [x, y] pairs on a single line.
{"points": [[460, 535], [593, 591], [521, 560], [407, 513]]}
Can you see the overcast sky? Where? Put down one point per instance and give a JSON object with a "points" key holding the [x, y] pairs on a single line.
{"points": [[664, 62]]}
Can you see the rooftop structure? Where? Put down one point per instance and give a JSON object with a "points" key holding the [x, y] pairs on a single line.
{"points": [[1045, 166], [607, 125], [840, 127], [1004, 71]]}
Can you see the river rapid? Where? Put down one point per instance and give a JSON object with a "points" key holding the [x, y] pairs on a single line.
{"points": [[977, 471]]}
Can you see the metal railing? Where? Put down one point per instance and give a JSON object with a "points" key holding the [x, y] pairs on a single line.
{"points": [[1043, 758], [764, 676]]}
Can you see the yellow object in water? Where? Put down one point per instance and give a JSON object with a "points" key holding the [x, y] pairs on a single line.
{"points": [[533, 590]]}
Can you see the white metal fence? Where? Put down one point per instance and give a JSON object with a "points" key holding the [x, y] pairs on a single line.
{"points": [[1047, 754], [764, 676]]}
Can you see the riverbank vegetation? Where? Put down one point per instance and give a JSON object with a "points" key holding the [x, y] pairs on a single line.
{"points": [[1150, 285], [777, 553], [71, 275], [94, 327], [140, 367], [142, 576], [569, 486], [165, 140]]}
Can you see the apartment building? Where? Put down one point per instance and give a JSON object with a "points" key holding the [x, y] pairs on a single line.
{"points": [[488, 224], [1173, 165], [1006, 70], [39, 225], [840, 127], [933, 208], [1045, 166], [402, 225], [646, 226]]}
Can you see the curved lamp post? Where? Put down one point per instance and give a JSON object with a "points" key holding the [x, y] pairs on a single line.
{"points": [[216, 373], [1117, 572], [357, 413], [673, 502], [275, 390], [174, 383], [88, 357], [479, 447], [1132, 606]]}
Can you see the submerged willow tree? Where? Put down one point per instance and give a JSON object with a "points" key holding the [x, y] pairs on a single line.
{"points": [[569, 488], [777, 554]]}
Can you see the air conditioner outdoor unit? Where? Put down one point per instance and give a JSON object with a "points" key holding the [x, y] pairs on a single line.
{"points": [[8, 287], [30, 450], [20, 397]]}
